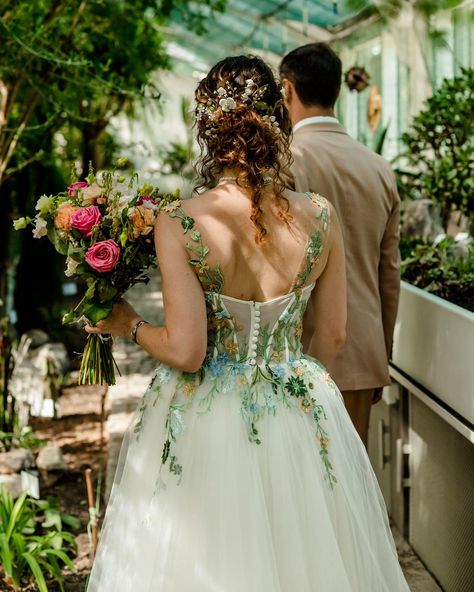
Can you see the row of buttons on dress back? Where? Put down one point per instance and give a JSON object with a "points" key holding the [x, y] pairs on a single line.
{"points": [[256, 333]]}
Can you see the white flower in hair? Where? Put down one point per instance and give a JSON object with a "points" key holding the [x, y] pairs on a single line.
{"points": [[271, 121], [249, 87], [221, 91], [227, 104]]}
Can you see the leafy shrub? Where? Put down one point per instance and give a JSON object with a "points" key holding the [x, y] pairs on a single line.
{"points": [[33, 544], [445, 269], [440, 149]]}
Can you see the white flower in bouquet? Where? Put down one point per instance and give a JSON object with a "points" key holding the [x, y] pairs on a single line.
{"points": [[124, 201], [71, 266], [41, 227], [90, 194], [44, 204]]}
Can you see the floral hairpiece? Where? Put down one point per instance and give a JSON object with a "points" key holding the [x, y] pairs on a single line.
{"points": [[227, 98]]}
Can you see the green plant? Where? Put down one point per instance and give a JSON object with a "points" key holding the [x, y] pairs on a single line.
{"points": [[77, 69], [20, 438], [380, 141], [440, 149], [445, 269], [32, 543]]}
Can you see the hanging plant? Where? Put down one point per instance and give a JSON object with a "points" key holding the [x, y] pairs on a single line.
{"points": [[357, 78]]}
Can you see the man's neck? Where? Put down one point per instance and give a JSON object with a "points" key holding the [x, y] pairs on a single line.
{"points": [[301, 113]]}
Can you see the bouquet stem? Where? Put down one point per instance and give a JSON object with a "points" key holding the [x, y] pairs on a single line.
{"points": [[98, 364]]}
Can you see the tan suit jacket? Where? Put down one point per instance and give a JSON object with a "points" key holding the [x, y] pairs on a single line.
{"points": [[361, 186]]}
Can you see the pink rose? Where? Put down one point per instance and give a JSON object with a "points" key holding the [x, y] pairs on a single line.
{"points": [[103, 256], [74, 187], [84, 219]]}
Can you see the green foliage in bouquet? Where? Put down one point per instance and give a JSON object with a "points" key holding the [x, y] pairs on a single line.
{"points": [[33, 542], [104, 227], [440, 149]]}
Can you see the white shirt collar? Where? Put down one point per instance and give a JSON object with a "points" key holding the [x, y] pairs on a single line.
{"points": [[316, 119]]}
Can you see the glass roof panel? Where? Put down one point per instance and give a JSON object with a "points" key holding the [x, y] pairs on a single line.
{"points": [[266, 25]]}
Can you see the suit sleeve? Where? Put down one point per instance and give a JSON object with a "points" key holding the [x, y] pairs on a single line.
{"points": [[389, 271]]}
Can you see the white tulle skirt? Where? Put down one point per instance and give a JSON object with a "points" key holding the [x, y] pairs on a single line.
{"points": [[284, 514]]}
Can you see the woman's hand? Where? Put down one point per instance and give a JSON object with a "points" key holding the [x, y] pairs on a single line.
{"points": [[119, 322]]}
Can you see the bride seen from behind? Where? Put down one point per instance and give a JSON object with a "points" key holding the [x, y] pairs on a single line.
{"points": [[242, 470]]}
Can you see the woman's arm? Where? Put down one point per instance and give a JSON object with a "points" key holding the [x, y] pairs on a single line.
{"points": [[182, 342], [325, 318]]}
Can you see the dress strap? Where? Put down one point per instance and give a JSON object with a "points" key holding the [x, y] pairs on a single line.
{"points": [[316, 241], [211, 280]]}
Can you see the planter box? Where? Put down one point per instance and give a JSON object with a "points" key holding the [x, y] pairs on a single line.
{"points": [[434, 345]]}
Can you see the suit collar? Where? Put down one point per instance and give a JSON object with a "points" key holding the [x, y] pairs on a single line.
{"points": [[321, 126]]}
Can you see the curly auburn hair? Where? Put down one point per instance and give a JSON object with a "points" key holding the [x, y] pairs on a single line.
{"points": [[241, 139]]}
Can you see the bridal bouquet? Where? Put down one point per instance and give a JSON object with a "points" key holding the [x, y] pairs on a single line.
{"points": [[104, 228]]}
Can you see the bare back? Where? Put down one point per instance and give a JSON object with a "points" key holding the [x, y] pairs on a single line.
{"points": [[269, 270]]}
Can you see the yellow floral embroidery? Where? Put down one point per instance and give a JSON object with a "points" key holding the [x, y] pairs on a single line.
{"points": [[232, 348], [276, 356], [173, 206], [324, 442], [188, 389]]}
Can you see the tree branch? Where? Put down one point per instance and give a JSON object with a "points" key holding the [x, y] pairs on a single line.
{"points": [[10, 145]]}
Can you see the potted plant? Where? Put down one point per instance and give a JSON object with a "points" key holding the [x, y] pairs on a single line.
{"points": [[434, 336]]}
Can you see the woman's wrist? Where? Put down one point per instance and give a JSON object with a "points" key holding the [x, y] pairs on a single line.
{"points": [[135, 326]]}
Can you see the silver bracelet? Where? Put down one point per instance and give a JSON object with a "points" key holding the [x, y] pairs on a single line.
{"points": [[136, 326]]}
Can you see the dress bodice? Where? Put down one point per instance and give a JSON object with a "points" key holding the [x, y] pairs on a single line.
{"points": [[244, 332], [248, 332]]}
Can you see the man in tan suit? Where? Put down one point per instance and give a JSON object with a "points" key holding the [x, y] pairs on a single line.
{"points": [[362, 188]]}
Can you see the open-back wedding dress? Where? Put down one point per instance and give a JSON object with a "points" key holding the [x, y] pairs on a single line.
{"points": [[248, 475]]}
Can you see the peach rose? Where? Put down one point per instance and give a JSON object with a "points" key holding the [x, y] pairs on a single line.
{"points": [[143, 219], [64, 213]]}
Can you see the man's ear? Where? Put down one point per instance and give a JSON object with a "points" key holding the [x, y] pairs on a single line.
{"points": [[289, 90]]}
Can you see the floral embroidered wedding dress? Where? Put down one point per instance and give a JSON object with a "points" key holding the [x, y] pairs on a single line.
{"points": [[246, 476]]}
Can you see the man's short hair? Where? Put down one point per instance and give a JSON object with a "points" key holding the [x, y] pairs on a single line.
{"points": [[316, 72]]}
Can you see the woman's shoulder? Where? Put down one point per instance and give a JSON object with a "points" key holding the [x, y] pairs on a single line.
{"points": [[308, 201]]}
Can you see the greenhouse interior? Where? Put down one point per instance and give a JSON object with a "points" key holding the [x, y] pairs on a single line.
{"points": [[146, 442]]}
